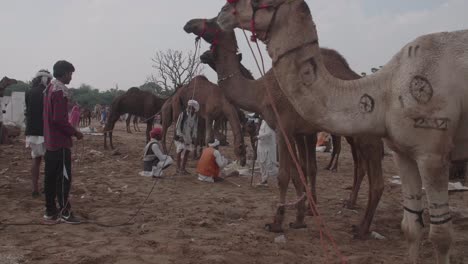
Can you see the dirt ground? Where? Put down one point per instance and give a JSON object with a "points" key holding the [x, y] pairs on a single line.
{"points": [[187, 221]]}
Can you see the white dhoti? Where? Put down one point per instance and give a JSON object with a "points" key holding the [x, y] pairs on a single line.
{"points": [[267, 152]]}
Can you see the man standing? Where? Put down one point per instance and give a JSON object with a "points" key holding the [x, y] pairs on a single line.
{"points": [[186, 134], [58, 134], [35, 124], [267, 153], [210, 164]]}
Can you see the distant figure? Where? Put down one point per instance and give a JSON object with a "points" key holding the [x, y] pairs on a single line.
{"points": [[154, 160], [74, 117], [211, 163], [186, 134], [104, 115], [323, 142], [34, 124], [58, 133], [266, 153]]}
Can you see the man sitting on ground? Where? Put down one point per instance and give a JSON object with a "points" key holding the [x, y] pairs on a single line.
{"points": [[154, 160], [210, 164]]}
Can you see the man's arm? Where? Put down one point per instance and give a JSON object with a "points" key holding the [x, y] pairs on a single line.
{"points": [[179, 124], [60, 114], [158, 153], [220, 160]]}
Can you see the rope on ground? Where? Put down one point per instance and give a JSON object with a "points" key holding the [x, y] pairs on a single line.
{"points": [[126, 223]]}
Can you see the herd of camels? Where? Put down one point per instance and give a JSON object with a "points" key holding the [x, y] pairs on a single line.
{"points": [[417, 104]]}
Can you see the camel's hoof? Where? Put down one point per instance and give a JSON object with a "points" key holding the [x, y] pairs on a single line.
{"points": [[334, 170], [359, 233], [297, 225], [349, 205], [274, 228], [327, 168]]}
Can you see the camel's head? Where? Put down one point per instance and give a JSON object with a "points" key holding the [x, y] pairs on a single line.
{"points": [[208, 58], [4, 83], [241, 153], [207, 29], [240, 13]]}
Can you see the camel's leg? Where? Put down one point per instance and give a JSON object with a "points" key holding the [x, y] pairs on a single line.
{"points": [[209, 130], [359, 171], [372, 156], [337, 150], [300, 190], [127, 122], [307, 155], [285, 168], [149, 126], [311, 163], [111, 142], [412, 222], [434, 172], [333, 164]]}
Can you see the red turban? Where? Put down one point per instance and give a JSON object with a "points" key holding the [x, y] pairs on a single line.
{"points": [[157, 131]]}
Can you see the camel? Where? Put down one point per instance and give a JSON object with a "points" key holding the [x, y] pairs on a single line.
{"points": [[213, 105], [85, 117], [417, 103], [134, 102], [135, 123], [240, 88]]}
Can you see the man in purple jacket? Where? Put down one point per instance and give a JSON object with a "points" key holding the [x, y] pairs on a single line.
{"points": [[58, 133]]}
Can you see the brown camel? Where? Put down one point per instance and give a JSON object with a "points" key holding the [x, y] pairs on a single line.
{"points": [[239, 86], [4, 83], [213, 105], [85, 117], [135, 123], [135, 102]]}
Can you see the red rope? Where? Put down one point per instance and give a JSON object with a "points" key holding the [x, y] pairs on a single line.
{"points": [[318, 220]]}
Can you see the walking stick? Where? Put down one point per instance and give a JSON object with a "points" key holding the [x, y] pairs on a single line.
{"points": [[253, 165]]}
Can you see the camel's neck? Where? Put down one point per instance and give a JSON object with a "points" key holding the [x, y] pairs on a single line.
{"points": [[240, 90], [341, 107]]}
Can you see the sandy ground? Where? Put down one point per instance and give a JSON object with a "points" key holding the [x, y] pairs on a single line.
{"points": [[186, 221]]}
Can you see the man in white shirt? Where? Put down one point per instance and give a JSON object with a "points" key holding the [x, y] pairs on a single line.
{"points": [[266, 153], [186, 133]]}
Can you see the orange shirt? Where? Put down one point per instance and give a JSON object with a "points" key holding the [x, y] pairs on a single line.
{"points": [[207, 165]]}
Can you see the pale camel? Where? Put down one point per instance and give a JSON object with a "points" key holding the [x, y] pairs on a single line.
{"points": [[213, 105], [417, 102], [134, 102], [239, 87]]}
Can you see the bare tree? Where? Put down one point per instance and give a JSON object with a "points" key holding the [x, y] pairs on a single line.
{"points": [[174, 68]]}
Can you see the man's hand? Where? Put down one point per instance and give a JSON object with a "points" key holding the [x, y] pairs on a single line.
{"points": [[79, 135]]}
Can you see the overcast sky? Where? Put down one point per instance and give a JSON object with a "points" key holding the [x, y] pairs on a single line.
{"points": [[112, 41]]}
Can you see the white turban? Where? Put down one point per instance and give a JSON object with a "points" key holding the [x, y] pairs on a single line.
{"points": [[194, 104], [45, 74], [215, 144]]}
